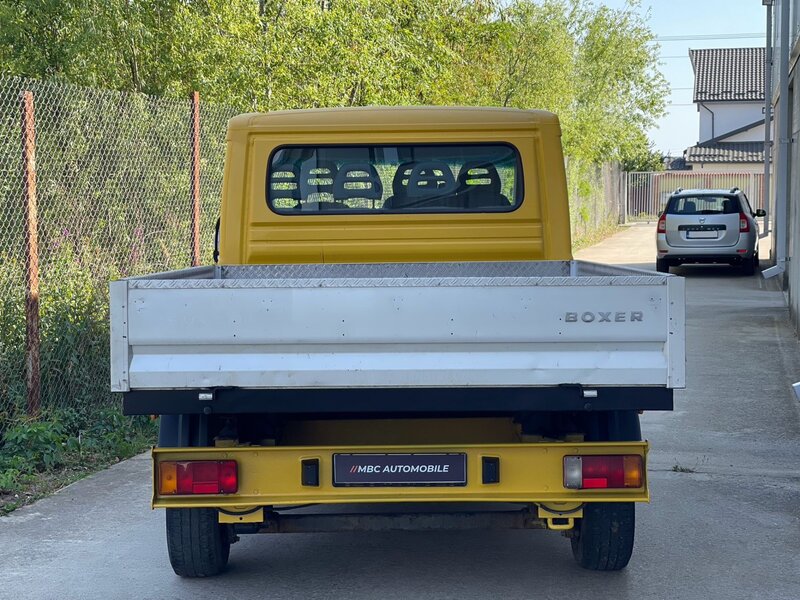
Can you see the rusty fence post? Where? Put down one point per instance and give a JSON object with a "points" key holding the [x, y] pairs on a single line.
{"points": [[32, 348], [195, 177]]}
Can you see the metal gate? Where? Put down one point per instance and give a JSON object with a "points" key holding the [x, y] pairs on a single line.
{"points": [[646, 193]]}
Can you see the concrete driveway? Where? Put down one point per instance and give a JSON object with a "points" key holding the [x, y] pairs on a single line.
{"points": [[729, 528]]}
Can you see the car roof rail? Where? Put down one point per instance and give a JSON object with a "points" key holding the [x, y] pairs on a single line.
{"points": [[735, 189]]}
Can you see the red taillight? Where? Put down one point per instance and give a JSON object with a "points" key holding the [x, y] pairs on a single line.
{"points": [[662, 223], [744, 224], [603, 472], [198, 477]]}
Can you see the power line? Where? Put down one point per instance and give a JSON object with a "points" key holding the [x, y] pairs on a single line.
{"points": [[710, 36]]}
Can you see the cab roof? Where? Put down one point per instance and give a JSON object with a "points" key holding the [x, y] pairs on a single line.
{"points": [[393, 118]]}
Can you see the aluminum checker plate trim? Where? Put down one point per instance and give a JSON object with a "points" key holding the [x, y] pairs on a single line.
{"points": [[399, 282], [461, 274]]}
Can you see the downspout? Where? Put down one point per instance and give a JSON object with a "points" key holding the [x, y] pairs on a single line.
{"points": [[767, 121], [783, 135], [712, 119]]}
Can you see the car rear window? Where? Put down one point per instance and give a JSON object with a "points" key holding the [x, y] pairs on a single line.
{"points": [[394, 178], [703, 205]]}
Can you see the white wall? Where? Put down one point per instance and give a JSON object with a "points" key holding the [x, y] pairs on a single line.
{"points": [[728, 116], [792, 277], [756, 134]]}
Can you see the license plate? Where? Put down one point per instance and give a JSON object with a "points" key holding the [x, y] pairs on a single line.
{"points": [[399, 470], [701, 234]]}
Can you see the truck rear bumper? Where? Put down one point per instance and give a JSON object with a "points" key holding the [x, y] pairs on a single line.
{"points": [[520, 473]]}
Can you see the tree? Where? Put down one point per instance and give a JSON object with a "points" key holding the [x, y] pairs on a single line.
{"points": [[594, 66], [620, 91]]}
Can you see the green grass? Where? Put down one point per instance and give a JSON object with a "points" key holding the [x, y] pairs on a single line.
{"points": [[593, 237], [40, 457]]}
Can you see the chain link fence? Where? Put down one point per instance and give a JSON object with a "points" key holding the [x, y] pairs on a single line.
{"points": [[113, 174], [114, 199], [595, 198]]}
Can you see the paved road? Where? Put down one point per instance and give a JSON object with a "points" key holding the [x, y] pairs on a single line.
{"points": [[730, 529]]}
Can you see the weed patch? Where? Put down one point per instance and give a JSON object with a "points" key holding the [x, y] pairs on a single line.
{"points": [[681, 469], [595, 236], [40, 457]]}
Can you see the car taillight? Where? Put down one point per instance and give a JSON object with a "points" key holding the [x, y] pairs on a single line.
{"points": [[602, 472], [744, 224], [191, 477], [662, 223]]}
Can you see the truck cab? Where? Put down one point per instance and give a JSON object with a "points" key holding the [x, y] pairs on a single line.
{"points": [[502, 196], [396, 322]]}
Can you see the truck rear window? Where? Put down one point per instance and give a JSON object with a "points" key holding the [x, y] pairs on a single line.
{"points": [[394, 178], [703, 205]]}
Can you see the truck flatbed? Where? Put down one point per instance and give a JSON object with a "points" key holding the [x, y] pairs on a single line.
{"points": [[452, 327]]}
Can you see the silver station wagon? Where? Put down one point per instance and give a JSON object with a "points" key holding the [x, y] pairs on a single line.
{"points": [[708, 226]]}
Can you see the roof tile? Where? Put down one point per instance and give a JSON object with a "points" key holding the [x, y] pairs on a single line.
{"points": [[726, 152], [725, 74]]}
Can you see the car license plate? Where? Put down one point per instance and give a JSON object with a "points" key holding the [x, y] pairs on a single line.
{"points": [[399, 470], [701, 234]]}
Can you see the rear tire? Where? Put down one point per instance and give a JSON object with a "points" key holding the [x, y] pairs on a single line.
{"points": [[603, 538], [197, 544], [662, 265], [169, 431], [750, 266]]}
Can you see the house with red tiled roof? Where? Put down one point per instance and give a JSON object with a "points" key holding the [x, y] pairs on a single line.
{"points": [[729, 93]]}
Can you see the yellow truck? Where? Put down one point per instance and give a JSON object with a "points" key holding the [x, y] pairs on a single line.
{"points": [[395, 319]]}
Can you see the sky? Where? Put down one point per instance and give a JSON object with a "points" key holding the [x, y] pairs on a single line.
{"points": [[679, 128]]}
